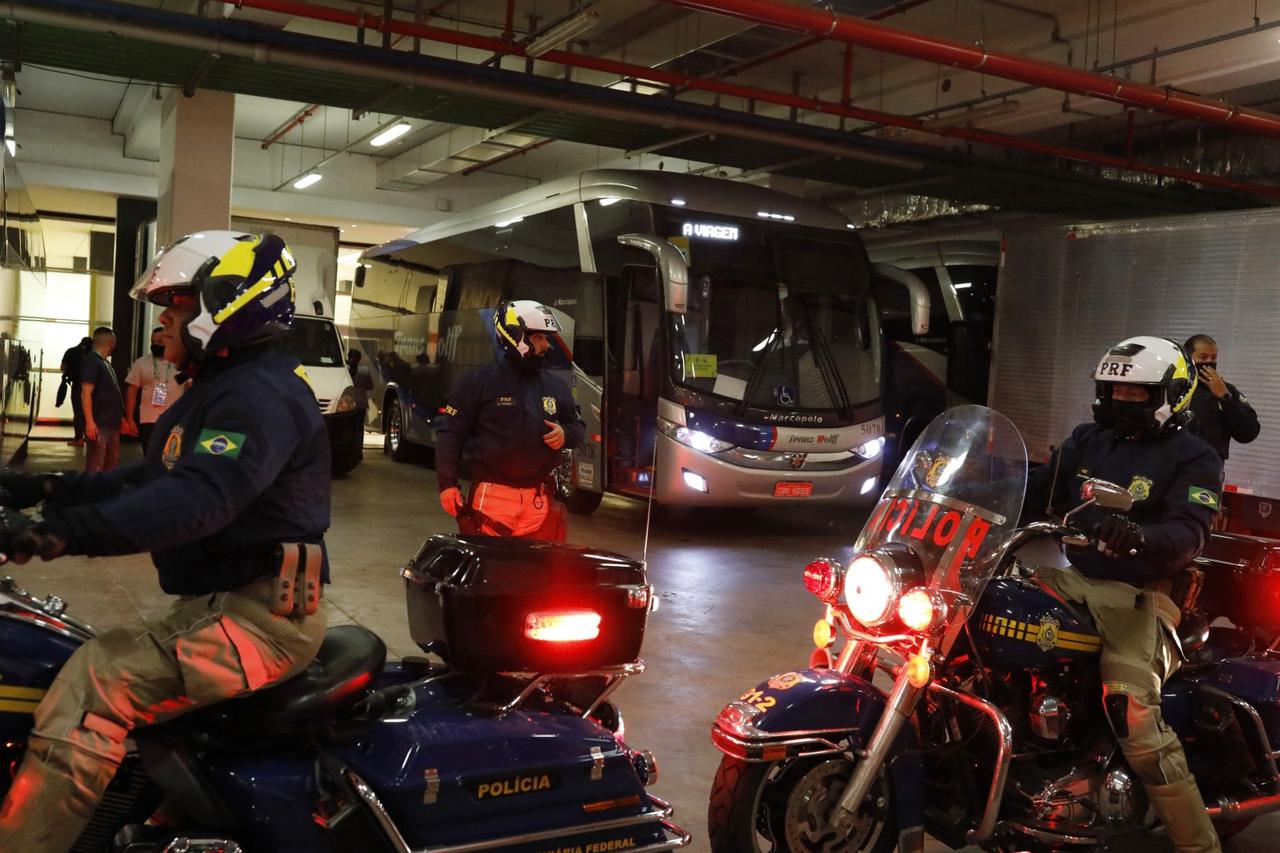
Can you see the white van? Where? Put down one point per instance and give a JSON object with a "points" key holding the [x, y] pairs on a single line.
{"points": [[315, 342]]}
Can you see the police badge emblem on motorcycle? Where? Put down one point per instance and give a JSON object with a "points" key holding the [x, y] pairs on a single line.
{"points": [[1048, 637]]}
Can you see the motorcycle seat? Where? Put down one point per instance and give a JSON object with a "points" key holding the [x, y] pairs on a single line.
{"points": [[349, 660]]}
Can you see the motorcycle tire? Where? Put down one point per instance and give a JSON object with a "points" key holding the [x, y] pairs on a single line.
{"points": [[754, 807]]}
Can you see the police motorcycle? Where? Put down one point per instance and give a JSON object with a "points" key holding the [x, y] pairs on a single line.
{"points": [[482, 752], [991, 731]]}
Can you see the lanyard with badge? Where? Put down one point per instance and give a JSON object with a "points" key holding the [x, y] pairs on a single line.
{"points": [[160, 390]]}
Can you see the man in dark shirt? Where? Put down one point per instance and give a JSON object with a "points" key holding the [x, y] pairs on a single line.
{"points": [[71, 360], [102, 403], [236, 481], [1144, 387], [1222, 414], [513, 419]]}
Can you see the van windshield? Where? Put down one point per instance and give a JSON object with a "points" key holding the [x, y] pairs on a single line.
{"points": [[314, 342]]}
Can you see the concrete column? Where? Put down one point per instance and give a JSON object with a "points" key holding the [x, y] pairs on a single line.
{"points": [[197, 137]]}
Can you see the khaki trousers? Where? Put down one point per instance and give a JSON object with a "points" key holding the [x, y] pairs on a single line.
{"points": [[1138, 655], [207, 649]]}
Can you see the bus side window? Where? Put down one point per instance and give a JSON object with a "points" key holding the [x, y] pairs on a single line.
{"points": [[640, 373]]}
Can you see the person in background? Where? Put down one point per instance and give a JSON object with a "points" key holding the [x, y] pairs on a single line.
{"points": [[353, 363], [1222, 413], [512, 418], [71, 360], [156, 379], [102, 403]]}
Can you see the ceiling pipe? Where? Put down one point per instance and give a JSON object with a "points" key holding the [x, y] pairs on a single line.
{"points": [[679, 80], [1051, 75], [450, 81]]}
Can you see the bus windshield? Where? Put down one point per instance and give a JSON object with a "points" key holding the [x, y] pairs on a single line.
{"points": [[778, 316]]}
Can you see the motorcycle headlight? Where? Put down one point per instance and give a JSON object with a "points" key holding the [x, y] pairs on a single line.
{"points": [[696, 439], [875, 581]]}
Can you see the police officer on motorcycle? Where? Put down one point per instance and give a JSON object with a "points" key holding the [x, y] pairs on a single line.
{"points": [[1144, 388], [513, 419], [232, 501]]}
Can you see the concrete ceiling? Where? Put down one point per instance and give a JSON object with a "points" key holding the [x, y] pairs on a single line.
{"points": [[98, 132]]}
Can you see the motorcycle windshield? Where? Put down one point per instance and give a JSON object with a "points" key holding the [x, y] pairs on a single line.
{"points": [[954, 497]]}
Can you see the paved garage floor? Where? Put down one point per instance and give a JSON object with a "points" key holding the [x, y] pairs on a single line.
{"points": [[733, 610]]}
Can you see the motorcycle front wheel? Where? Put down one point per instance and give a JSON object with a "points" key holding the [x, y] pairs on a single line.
{"points": [[786, 807]]}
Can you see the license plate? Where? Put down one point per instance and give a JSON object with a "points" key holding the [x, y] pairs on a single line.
{"points": [[791, 489]]}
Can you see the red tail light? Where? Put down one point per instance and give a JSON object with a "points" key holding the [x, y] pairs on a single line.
{"points": [[562, 626], [1272, 561], [822, 578]]}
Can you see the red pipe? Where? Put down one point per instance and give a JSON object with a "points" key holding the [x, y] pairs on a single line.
{"points": [[1037, 72], [678, 80], [297, 120]]}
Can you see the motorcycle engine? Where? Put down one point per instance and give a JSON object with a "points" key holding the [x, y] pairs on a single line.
{"points": [[1052, 718], [1085, 797]]}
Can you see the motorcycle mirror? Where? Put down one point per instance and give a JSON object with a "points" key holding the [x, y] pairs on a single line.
{"points": [[1107, 495]]}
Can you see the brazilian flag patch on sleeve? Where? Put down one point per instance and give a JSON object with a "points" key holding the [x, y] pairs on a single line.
{"points": [[1203, 497], [220, 443]]}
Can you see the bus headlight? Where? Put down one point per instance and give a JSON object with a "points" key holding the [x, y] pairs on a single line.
{"points": [[696, 439], [870, 449]]}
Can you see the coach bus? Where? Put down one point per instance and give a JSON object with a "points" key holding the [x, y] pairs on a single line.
{"points": [[727, 349]]}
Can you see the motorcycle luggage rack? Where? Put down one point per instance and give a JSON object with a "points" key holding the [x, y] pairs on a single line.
{"points": [[614, 676]]}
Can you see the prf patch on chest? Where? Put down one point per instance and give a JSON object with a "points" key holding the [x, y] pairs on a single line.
{"points": [[1140, 487], [220, 443], [506, 401], [172, 448]]}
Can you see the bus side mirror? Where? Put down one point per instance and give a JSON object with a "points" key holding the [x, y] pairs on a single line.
{"points": [[920, 303], [360, 273], [671, 266]]}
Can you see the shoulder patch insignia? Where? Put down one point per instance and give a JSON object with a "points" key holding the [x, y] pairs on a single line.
{"points": [[549, 405], [1140, 488], [219, 443], [172, 448], [1203, 497], [450, 411]]}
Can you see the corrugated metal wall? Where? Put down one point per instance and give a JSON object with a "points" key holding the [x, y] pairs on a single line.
{"points": [[1068, 293]]}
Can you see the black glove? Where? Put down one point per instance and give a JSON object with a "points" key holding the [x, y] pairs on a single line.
{"points": [[1120, 536], [21, 538], [20, 491]]}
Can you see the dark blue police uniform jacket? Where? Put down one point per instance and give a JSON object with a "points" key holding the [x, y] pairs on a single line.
{"points": [[1174, 477], [497, 413], [237, 465]]}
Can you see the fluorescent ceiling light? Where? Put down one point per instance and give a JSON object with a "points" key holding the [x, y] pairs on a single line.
{"points": [[962, 285], [391, 134], [785, 217], [850, 226], [560, 35], [307, 180], [679, 202]]}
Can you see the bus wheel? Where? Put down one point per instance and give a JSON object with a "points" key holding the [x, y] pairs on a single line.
{"points": [[394, 443], [581, 502]]}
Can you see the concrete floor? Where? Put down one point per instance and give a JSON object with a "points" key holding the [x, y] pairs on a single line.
{"points": [[734, 610]]}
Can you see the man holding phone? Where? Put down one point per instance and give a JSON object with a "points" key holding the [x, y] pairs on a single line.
{"points": [[1222, 413]]}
